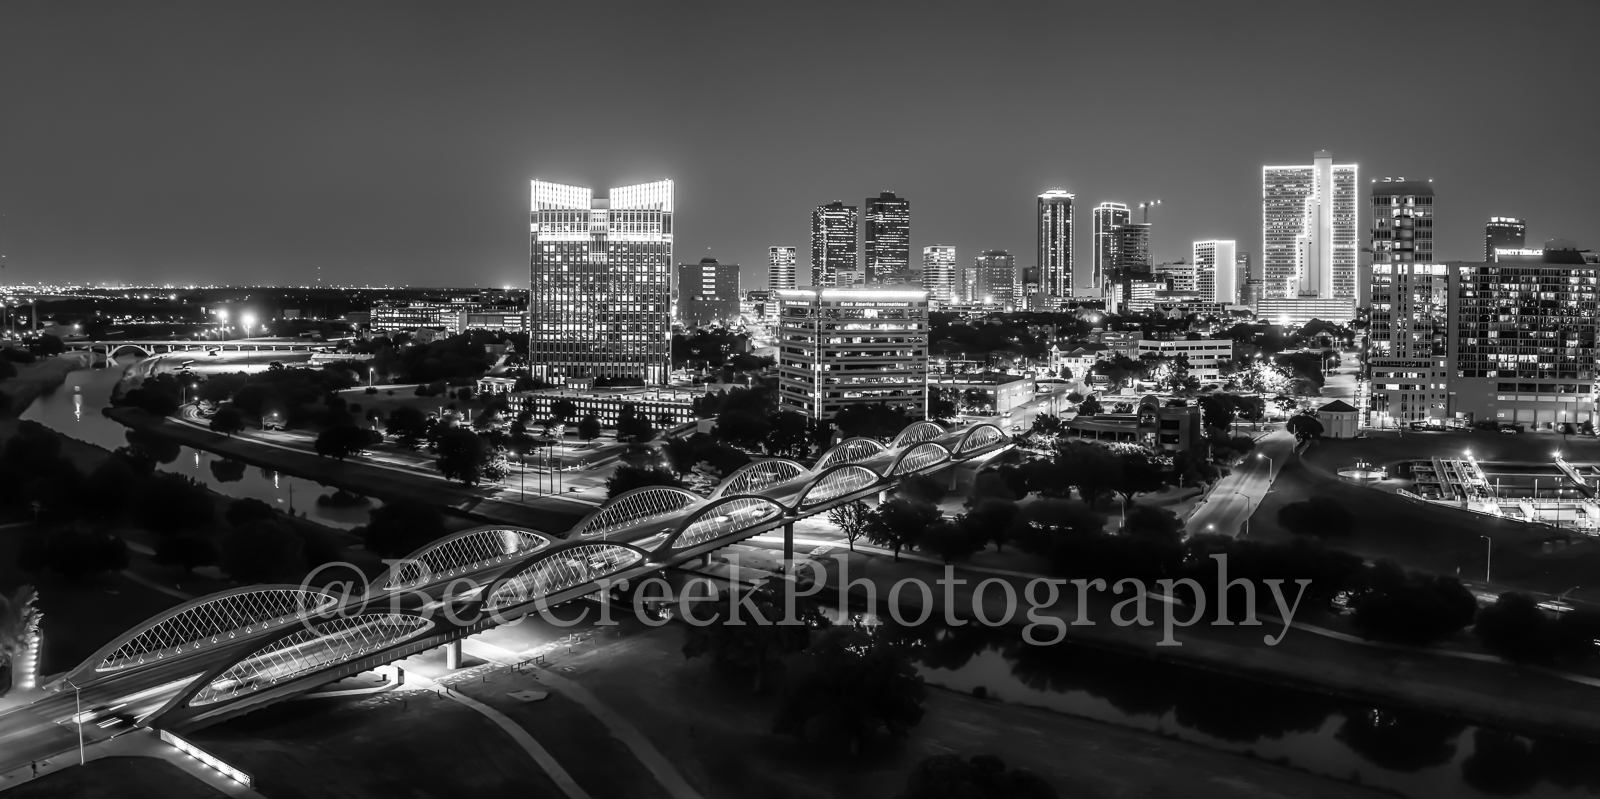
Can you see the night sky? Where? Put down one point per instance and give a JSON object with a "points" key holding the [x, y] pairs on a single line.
{"points": [[392, 143]]}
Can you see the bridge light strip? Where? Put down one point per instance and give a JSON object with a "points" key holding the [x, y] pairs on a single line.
{"points": [[208, 760]]}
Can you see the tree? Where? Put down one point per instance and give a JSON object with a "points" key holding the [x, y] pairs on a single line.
{"points": [[247, 510], [852, 520], [875, 420], [408, 425], [1154, 523], [1411, 608], [981, 777], [398, 528], [847, 688], [341, 441], [19, 628], [589, 427], [1304, 426], [1135, 470], [563, 409], [742, 429], [227, 420], [1514, 628], [631, 424], [1090, 406], [991, 520], [627, 478], [1217, 411], [185, 552], [1319, 516], [170, 503], [920, 488], [226, 470], [754, 646], [463, 456], [951, 541], [788, 435], [942, 404], [263, 552], [897, 524]]}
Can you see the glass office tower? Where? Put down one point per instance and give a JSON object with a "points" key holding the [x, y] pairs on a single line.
{"points": [[885, 236]]}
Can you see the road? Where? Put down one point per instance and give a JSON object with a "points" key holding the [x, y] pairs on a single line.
{"points": [[1237, 496]]}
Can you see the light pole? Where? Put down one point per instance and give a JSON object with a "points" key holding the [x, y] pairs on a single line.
{"points": [[77, 700], [1247, 514], [1488, 556], [1270, 465]]}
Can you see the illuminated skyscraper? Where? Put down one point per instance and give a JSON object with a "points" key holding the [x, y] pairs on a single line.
{"points": [[1215, 271], [600, 282], [1402, 221], [1053, 224], [1508, 232], [780, 268], [1108, 221], [1308, 229], [833, 243], [708, 293], [844, 347], [997, 279], [939, 274], [1248, 280], [885, 236]]}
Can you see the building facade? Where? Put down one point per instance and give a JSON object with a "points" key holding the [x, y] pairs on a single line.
{"points": [[780, 268], [1296, 311], [1248, 279], [1308, 229], [939, 274], [1402, 221], [708, 293], [997, 279], [1409, 341], [1206, 357], [1053, 228], [833, 245], [842, 347], [664, 407], [1215, 271], [600, 280], [1108, 220], [1507, 232], [885, 237]]}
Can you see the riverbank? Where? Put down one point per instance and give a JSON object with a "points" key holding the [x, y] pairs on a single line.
{"points": [[547, 516], [34, 379], [1486, 692]]}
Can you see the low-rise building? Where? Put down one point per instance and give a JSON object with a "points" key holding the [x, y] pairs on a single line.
{"points": [[1339, 419], [1206, 356], [664, 407], [989, 394], [1294, 312], [1155, 422], [858, 346]]}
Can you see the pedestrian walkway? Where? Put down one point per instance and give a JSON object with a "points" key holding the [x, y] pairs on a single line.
{"points": [[139, 743]]}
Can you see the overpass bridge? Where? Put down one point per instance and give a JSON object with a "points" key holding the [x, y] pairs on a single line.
{"points": [[223, 655], [148, 347]]}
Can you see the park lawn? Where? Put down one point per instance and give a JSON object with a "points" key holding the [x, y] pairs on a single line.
{"points": [[1435, 539], [719, 736], [396, 744], [117, 778]]}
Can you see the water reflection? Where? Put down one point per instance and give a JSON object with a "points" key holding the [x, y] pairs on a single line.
{"points": [[1411, 753], [74, 409]]}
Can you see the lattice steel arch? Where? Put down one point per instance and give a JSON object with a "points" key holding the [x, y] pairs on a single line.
{"points": [[562, 567], [850, 450], [917, 458], [209, 620], [307, 650], [917, 433], [759, 476], [632, 507], [836, 481], [721, 518], [462, 553], [980, 436]]}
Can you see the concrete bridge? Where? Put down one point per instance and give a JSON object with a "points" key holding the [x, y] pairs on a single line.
{"points": [[226, 654], [147, 348]]}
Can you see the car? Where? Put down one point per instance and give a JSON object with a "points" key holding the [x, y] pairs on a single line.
{"points": [[1510, 429]]}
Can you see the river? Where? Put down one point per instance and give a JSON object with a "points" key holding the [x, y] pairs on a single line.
{"points": [[74, 408]]}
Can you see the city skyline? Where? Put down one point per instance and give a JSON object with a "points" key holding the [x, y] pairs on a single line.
{"points": [[370, 185]]}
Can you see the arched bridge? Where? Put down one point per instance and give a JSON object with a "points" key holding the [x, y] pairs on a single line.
{"points": [[147, 348], [225, 654]]}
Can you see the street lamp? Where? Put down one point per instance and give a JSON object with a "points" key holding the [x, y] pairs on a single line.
{"points": [[77, 700], [246, 322], [1263, 456], [1488, 557], [1247, 514]]}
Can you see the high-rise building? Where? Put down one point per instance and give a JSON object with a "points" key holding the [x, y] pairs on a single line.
{"points": [[1506, 232], [1053, 224], [1402, 221], [843, 347], [780, 268], [1215, 270], [708, 293], [885, 236], [939, 274], [1179, 275], [1247, 279], [1409, 338], [600, 282], [1133, 250], [1108, 220], [833, 243], [1308, 229], [969, 286], [997, 279]]}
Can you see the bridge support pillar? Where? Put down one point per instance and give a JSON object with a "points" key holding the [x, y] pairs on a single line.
{"points": [[883, 496], [452, 655], [788, 544], [955, 475]]}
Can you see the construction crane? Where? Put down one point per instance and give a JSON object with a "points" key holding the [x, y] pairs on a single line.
{"points": [[1146, 206]]}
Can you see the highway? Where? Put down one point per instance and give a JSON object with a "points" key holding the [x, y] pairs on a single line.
{"points": [[1236, 497]]}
